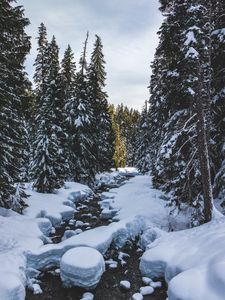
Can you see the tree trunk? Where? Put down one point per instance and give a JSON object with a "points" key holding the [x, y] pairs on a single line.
{"points": [[203, 151]]}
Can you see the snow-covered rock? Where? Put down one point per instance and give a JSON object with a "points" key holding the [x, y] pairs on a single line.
{"points": [[124, 284], [37, 289], [79, 224], [149, 236], [156, 284], [146, 290], [87, 296], [68, 233], [106, 214], [146, 280], [137, 296], [113, 265], [121, 257], [82, 266]]}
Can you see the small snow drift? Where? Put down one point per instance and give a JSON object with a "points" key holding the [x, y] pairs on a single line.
{"points": [[82, 266]]}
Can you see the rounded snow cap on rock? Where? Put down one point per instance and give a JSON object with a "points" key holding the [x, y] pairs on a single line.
{"points": [[82, 266]]}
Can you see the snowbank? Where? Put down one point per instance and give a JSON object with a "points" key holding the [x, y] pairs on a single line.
{"points": [[56, 207], [20, 234], [192, 260], [17, 233]]}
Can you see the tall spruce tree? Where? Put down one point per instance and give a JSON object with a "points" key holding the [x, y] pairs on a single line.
{"points": [[102, 130], [80, 123], [48, 167], [67, 89], [41, 60], [14, 45]]}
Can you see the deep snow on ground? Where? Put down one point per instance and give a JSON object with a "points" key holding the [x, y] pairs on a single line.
{"points": [[22, 233], [192, 260], [140, 208], [137, 197]]}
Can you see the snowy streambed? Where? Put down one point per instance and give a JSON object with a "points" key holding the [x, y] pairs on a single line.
{"points": [[105, 223]]}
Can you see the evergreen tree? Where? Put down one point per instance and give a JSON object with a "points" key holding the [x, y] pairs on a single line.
{"points": [[48, 167], [128, 119], [218, 88], [40, 64], [176, 164], [143, 141], [67, 88], [14, 45], [119, 156], [102, 130], [80, 123]]}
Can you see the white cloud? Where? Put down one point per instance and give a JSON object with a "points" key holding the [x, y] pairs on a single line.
{"points": [[128, 31]]}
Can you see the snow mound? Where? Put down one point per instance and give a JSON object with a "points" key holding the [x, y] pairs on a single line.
{"points": [[82, 266], [192, 261]]}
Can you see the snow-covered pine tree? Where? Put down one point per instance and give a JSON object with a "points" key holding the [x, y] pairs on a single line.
{"points": [[41, 60], [14, 45], [197, 79], [67, 94], [218, 88], [80, 123], [49, 167], [143, 141], [27, 114], [176, 167], [169, 110], [102, 130]]}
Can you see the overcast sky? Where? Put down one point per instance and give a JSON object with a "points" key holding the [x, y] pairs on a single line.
{"points": [[128, 29]]}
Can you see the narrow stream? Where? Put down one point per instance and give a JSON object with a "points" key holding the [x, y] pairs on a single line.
{"points": [[109, 287]]}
